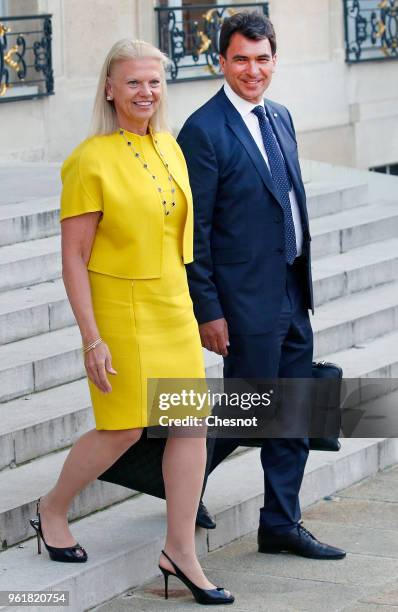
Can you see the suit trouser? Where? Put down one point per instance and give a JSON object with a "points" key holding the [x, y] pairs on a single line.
{"points": [[285, 352]]}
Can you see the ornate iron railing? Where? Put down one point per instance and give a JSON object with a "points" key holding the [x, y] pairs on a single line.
{"points": [[371, 30], [25, 57], [189, 36]]}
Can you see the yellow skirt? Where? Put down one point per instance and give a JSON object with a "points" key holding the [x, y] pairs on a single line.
{"points": [[151, 332]]}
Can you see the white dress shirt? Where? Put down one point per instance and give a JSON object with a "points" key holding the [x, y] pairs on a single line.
{"points": [[245, 108]]}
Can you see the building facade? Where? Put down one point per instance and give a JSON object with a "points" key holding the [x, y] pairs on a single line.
{"points": [[346, 112]]}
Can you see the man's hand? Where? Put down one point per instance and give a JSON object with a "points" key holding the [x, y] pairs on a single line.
{"points": [[214, 336]]}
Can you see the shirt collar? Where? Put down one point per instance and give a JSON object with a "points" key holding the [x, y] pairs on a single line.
{"points": [[243, 107]]}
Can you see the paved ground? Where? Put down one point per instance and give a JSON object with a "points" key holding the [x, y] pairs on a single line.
{"points": [[363, 519]]}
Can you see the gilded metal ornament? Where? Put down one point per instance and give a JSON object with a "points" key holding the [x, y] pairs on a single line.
{"points": [[189, 36], [371, 30], [26, 57]]}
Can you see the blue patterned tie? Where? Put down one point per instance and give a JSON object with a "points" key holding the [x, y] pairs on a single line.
{"points": [[281, 179]]}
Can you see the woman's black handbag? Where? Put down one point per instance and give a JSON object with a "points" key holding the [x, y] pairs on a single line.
{"points": [[140, 467]]}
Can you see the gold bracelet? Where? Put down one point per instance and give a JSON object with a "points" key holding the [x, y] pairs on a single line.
{"points": [[92, 345]]}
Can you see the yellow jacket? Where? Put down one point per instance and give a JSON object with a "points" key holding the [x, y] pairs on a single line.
{"points": [[100, 175]]}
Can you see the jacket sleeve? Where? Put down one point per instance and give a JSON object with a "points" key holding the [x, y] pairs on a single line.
{"points": [[203, 176], [81, 184], [291, 123]]}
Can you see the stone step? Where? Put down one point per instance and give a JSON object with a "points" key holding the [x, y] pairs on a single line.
{"points": [[349, 229], [375, 363], [34, 261], [55, 358], [29, 220], [377, 358], [39, 363], [125, 540], [22, 486], [29, 181], [357, 270], [325, 198], [354, 319], [34, 310], [39, 218], [28, 263], [40, 423]]}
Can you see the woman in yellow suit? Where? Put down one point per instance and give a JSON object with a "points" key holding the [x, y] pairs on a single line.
{"points": [[127, 226]]}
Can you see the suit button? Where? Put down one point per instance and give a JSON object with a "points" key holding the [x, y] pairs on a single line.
{"points": [[280, 251], [278, 220]]}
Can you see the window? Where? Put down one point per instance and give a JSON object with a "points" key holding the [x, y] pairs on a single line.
{"points": [[189, 32], [25, 56], [371, 30], [387, 169]]}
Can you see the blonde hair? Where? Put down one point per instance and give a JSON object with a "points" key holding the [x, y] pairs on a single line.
{"points": [[104, 120]]}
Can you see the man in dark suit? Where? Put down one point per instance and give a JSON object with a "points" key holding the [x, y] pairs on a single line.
{"points": [[251, 278]]}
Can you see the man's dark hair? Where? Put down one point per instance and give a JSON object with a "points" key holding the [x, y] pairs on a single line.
{"points": [[252, 25]]}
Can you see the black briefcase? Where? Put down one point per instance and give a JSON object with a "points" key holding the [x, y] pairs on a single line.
{"points": [[320, 369], [324, 369]]}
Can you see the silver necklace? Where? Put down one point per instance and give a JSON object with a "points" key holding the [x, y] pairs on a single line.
{"points": [[144, 164]]}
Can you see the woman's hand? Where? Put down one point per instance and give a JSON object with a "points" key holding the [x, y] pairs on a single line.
{"points": [[98, 362]]}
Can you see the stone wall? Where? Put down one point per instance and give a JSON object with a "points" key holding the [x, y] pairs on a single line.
{"points": [[343, 114]]}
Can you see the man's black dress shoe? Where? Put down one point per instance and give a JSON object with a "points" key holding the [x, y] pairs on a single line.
{"points": [[298, 541], [203, 518]]}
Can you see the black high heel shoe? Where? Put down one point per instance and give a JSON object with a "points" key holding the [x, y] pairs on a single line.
{"points": [[70, 554], [210, 597]]}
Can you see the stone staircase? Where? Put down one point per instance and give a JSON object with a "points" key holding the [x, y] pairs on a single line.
{"points": [[45, 404]]}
